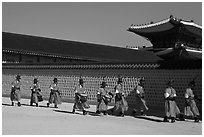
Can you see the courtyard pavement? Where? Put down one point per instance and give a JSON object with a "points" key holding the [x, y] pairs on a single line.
{"points": [[27, 120]]}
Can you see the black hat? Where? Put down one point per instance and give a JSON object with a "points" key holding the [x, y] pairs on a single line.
{"points": [[35, 80], [104, 83], [120, 80], [170, 82], [18, 77], [81, 81], [192, 83], [142, 79], [55, 79]]}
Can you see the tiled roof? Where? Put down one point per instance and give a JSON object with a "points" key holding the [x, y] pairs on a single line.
{"points": [[34, 45]]}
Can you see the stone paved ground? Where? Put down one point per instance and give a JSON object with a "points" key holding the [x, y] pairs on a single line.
{"points": [[27, 120]]}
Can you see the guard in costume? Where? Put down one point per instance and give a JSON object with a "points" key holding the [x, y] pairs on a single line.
{"points": [[121, 104], [103, 98], [140, 95], [80, 98], [54, 94], [15, 91], [171, 108], [36, 95], [190, 108]]}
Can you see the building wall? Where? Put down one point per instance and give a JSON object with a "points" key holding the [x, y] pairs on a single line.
{"points": [[28, 59], [10, 57], [155, 82], [36, 59]]}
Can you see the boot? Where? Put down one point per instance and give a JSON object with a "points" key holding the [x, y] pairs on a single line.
{"points": [[112, 111], [104, 112], [196, 119], [97, 112], [19, 104], [48, 104], [122, 114], [84, 112], [31, 104], [172, 119], [133, 112], [165, 119], [73, 111], [36, 104], [142, 113], [12, 103], [181, 117]]}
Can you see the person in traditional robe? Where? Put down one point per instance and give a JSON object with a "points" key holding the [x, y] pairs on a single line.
{"points": [[140, 97], [104, 96], [36, 95], [121, 104], [15, 94], [190, 108], [171, 108], [54, 94], [80, 98]]}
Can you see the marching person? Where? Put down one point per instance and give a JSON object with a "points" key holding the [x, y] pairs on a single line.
{"points": [[54, 94], [80, 98], [36, 95], [120, 102], [140, 97], [103, 98], [190, 104], [15, 91], [171, 108]]}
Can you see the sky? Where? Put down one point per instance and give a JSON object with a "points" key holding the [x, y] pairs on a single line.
{"points": [[103, 23]]}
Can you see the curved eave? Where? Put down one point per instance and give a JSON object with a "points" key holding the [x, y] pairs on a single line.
{"points": [[152, 29]]}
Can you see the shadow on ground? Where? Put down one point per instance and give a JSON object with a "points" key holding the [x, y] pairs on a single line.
{"points": [[6, 104]]}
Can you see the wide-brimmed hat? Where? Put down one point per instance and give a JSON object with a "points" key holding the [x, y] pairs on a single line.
{"points": [[18, 77], [55, 80], [104, 83]]}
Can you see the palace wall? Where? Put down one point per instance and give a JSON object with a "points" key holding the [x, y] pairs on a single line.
{"points": [[155, 82]]}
